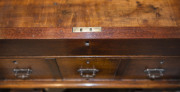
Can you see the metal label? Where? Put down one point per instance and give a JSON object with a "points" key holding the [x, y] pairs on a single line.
{"points": [[87, 29]]}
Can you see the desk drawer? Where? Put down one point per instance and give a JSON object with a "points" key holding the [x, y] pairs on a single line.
{"points": [[149, 68], [88, 68], [28, 69], [76, 47]]}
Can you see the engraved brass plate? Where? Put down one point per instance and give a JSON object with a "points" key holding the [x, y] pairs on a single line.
{"points": [[87, 29]]}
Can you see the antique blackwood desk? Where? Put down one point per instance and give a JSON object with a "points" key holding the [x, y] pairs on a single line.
{"points": [[89, 43]]}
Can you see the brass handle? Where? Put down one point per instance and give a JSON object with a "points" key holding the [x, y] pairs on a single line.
{"points": [[153, 76], [22, 73], [93, 71]]}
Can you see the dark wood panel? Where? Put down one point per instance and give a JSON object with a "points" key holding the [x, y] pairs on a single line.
{"points": [[134, 68], [41, 69], [159, 47], [107, 67], [91, 56], [172, 69], [107, 33]]}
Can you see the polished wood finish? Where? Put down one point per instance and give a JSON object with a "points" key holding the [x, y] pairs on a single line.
{"points": [[136, 34], [175, 6], [134, 68], [83, 13], [90, 84], [123, 19], [152, 47], [107, 67], [26, 90], [107, 33], [41, 69]]}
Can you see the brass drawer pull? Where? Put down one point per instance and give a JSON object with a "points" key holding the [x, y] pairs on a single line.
{"points": [[22, 73], [154, 76], [93, 71]]}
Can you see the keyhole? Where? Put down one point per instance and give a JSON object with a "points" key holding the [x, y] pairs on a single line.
{"points": [[90, 29], [81, 29], [87, 43], [15, 62], [87, 62], [162, 62]]}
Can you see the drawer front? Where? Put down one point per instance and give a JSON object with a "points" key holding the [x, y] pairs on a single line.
{"points": [[90, 47], [88, 68], [149, 68], [28, 69]]}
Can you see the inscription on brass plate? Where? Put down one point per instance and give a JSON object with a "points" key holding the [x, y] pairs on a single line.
{"points": [[87, 29]]}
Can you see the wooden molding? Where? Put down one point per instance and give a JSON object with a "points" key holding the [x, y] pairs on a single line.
{"points": [[90, 84], [107, 33]]}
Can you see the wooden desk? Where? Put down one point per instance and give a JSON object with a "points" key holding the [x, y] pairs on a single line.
{"points": [[138, 45]]}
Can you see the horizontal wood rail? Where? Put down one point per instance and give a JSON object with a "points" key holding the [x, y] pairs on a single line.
{"points": [[90, 84], [92, 56], [107, 33]]}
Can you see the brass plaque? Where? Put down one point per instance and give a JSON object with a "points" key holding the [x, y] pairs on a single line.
{"points": [[87, 29]]}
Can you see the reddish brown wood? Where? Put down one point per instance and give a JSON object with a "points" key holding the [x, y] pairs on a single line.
{"points": [[73, 47], [92, 56], [88, 13], [134, 68], [26, 90], [41, 69], [107, 67], [138, 32], [107, 33], [90, 84]]}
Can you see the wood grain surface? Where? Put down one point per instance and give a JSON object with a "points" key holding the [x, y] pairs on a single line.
{"points": [[84, 13], [41, 69], [120, 19], [107, 33], [134, 68], [90, 84], [130, 29], [107, 67], [73, 47]]}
